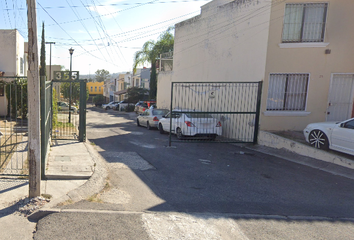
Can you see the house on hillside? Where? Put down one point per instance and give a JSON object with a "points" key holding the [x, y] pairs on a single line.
{"points": [[13, 61], [301, 50]]}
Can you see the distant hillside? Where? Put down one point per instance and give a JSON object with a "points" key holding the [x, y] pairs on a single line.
{"points": [[87, 76]]}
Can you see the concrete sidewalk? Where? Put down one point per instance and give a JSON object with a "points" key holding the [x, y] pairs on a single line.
{"points": [[74, 172]]}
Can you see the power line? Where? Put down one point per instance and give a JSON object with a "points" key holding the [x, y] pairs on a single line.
{"points": [[69, 34]]}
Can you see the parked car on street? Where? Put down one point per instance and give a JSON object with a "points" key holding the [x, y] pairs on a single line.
{"points": [[194, 124], [116, 106], [337, 136], [109, 105], [150, 118], [140, 107], [64, 107]]}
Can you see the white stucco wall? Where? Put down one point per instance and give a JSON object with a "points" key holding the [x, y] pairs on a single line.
{"points": [[226, 42]]}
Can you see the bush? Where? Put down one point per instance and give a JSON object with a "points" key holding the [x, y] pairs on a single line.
{"points": [[98, 100]]}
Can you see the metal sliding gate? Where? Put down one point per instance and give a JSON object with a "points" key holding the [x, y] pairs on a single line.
{"points": [[220, 111], [69, 122]]}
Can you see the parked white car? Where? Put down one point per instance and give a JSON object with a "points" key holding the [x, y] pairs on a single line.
{"points": [[109, 105], [337, 136], [150, 118], [194, 124]]}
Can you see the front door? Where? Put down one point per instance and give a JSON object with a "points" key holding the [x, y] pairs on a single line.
{"points": [[340, 98]]}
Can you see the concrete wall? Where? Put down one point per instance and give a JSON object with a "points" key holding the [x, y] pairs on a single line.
{"points": [[163, 96], [12, 57], [12, 48], [226, 42], [312, 60]]}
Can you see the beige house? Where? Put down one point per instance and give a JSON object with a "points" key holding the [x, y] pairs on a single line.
{"points": [[301, 50]]}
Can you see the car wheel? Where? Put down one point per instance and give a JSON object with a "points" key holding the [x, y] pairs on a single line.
{"points": [[148, 126], [318, 139], [107, 108], [137, 123], [179, 133], [161, 129]]}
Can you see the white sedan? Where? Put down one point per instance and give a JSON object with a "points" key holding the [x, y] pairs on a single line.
{"points": [[337, 136], [193, 124]]}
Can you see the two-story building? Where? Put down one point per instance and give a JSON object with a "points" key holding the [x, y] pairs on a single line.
{"points": [[13, 61], [302, 50]]}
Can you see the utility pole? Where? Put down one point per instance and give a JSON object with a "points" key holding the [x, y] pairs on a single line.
{"points": [[34, 144], [50, 60]]}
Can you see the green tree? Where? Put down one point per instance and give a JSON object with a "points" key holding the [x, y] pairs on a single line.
{"points": [[54, 109], [102, 75], [42, 69], [98, 99], [136, 94], [150, 53], [16, 94]]}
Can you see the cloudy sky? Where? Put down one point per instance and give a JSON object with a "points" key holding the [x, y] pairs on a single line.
{"points": [[105, 34]]}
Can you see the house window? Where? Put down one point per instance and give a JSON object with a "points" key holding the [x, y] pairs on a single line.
{"points": [[287, 92], [95, 89], [304, 22], [91, 89], [99, 89]]}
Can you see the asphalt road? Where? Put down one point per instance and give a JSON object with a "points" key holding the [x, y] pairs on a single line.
{"points": [[200, 191]]}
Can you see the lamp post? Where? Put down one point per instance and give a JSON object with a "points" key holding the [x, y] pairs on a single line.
{"points": [[71, 51], [50, 60]]}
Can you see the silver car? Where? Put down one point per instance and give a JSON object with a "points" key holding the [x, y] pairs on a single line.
{"points": [[150, 118], [64, 107]]}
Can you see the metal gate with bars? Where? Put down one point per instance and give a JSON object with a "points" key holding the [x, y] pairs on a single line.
{"points": [[220, 111], [13, 126], [69, 122], [54, 124]]}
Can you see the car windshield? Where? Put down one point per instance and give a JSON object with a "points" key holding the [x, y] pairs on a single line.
{"points": [[198, 115], [159, 112]]}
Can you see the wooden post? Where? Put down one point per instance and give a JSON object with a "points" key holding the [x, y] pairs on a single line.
{"points": [[34, 145]]}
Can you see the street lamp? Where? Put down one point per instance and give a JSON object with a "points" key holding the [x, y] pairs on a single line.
{"points": [[71, 51]]}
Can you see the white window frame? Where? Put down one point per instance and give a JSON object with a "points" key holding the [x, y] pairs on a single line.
{"points": [[288, 112], [300, 42]]}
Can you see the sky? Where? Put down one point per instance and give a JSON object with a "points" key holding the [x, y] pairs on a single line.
{"points": [[104, 34]]}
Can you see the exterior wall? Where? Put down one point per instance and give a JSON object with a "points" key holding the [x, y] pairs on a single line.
{"points": [[12, 59], [95, 85], [224, 43], [227, 42], [312, 60], [163, 96], [12, 48]]}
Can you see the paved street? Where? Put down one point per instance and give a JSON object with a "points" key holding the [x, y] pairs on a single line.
{"points": [[199, 191]]}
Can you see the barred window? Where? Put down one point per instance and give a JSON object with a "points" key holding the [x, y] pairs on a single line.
{"points": [[304, 22], [287, 92]]}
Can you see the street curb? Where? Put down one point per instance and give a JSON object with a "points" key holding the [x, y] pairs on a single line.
{"points": [[92, 186], [274, 141], [203, 214]]}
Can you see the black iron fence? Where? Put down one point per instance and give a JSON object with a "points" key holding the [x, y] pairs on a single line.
{"points": [[13, 126], [69, 117], [218, 111]]}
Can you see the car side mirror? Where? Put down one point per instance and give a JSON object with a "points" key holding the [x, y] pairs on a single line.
{"points": [[341, 125]]}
